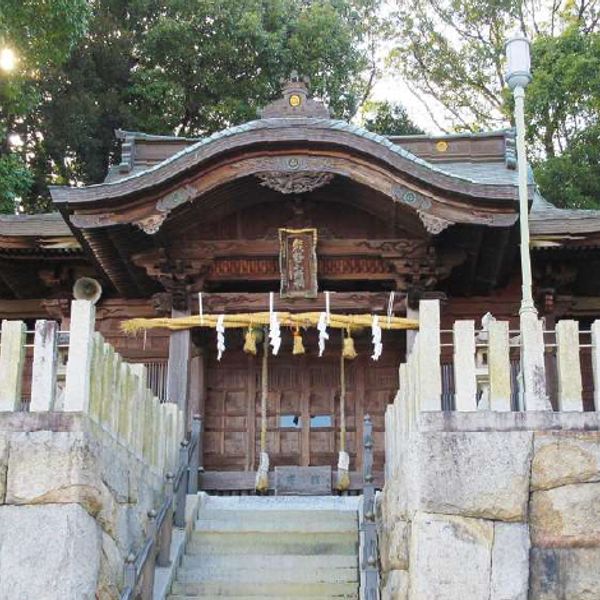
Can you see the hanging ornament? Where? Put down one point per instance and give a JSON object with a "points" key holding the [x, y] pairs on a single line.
{"points": [[274, 328], [376, 333], [390, 309], [250, 341], [328, 307], [343, 472], [200, 309], [322, 329], [262, 474], [348, 349], [298, 347], [220, 327]]}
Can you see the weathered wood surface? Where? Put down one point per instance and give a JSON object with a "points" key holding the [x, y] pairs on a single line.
{"points": [[244, 481], [302, 481]]}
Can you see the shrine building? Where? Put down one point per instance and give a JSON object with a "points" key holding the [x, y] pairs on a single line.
{"points": [[314, 215]]}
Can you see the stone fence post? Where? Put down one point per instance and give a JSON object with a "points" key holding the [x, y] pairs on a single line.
{"points": [[428, 348], [77, 386], [45, 358], [12, 359]]}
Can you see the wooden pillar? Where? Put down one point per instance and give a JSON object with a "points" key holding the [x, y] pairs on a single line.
{"points": [[179, 363]]}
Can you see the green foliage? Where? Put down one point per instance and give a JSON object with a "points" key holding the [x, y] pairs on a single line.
{"points": [[386, 118], [452, 53], [42, 35], [15, 181], [572, 178], [189, 68]]}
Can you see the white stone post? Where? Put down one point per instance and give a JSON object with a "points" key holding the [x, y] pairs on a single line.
{"points": [[97, 381], [596, 362], [106, 401], [532, 363], [45, 359], [12, 360], [138, 410], [77, 385], [569, 366], [499, 366], [465, 384], [428, 348]]}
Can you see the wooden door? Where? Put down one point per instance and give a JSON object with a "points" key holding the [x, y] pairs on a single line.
{"points": [[303, 407]]}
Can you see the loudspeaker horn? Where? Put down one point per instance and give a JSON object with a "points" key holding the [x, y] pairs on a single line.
{"points": [[87, 288]]}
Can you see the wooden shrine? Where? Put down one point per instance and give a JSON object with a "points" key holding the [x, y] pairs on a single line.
{"points": [[295, 203]]}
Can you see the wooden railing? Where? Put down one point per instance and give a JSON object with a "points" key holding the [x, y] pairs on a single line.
{"points": [[369, 576]]}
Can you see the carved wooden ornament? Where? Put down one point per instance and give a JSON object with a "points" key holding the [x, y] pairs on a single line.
{"points": [[298, 263]]}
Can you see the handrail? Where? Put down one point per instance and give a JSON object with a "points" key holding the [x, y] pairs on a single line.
{"points": [[139, 567], [369, 569]]}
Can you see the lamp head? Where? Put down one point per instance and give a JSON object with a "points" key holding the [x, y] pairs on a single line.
{"points": [[518, 60]]}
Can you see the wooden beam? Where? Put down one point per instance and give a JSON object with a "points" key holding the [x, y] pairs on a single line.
{"points": [[340, 301], [178, 365]]}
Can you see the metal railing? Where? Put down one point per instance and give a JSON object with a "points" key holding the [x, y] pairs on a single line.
{"points": [[155, 551], [368, 527]]}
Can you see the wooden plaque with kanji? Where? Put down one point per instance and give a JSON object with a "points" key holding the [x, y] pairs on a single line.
{"points": [[298, 263]]}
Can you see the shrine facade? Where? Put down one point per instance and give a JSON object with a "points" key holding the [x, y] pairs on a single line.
{"points": [[323, 214]]}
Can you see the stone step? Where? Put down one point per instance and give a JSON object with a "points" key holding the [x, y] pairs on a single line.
{"points": [[277, 520], [219, 589], [278, 565], [337, 503], [221, 572], [261, 594], [275, 543]]}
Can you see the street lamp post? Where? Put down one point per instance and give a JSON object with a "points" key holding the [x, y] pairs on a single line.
{"points": [[518, 77], [533, 369]]}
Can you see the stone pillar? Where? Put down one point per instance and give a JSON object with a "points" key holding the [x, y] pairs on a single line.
{"points": [[12, 359], [532, 362], [45, 356], [465, 384], [428, 348], [569, 366], [499, 366], [77, 385]]}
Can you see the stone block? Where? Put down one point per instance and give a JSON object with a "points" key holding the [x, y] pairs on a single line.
{"points": [[393, 544], [450, 557], [565, 574], [3, 465], [48, 552], [396, 586], [510, 562], [568, 516], [110, 576], [471, 474], [562, 458]]}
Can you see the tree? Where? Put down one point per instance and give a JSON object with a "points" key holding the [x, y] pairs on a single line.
{"points": [[190, 68], [452, 55], [386, 118], [42, 35], [451, 52]]}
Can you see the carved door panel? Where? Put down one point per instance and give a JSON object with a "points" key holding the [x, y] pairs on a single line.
{"points": [[303, 407], [226, 414]]}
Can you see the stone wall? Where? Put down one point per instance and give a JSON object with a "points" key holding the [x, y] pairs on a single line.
{"points": [[494, 506], [73, 504]]}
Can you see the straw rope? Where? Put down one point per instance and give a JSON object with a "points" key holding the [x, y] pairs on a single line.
{"points": [[286, 319]]}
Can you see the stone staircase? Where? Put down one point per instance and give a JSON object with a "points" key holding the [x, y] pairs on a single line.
{"points": [[271, 547]]}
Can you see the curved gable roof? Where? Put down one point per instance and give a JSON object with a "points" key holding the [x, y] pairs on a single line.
{"points": [[271, 132]]}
